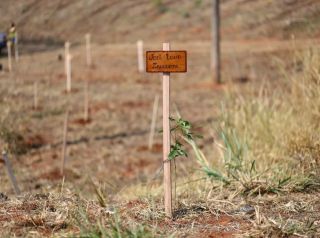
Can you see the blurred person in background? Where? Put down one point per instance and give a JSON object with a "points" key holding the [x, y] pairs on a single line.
{"points": [[12, 35]]}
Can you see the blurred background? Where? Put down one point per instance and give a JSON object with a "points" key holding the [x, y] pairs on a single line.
{"points": [[112, 21]]}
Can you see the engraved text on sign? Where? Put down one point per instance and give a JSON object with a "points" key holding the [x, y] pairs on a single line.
{"points": [[166, 61]]}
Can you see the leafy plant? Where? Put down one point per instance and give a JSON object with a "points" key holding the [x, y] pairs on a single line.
{"points": [[182, 129], [238, 168]]}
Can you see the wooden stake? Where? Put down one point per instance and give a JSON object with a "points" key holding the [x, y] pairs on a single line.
{"points": [[16, 50], [64, 143], [215, 49], [68, 67], [166, 140], [66, 53], [153, 122], [9, 56], [140, 56], [10, 173], [86, 102], [35, 95], [88, 49]]}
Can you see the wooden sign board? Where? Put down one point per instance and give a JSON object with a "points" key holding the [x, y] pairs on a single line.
{"points": [[166, 61]]}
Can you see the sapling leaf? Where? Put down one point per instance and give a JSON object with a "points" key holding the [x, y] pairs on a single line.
{"points": [[189, 136], [184, 124], [176, 151]]}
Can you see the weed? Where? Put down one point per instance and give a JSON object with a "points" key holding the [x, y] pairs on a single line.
{"points": [[113, 228], [238, 168]]}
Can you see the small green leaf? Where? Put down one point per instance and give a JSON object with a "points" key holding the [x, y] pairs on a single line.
{"points": [[176, 151]]}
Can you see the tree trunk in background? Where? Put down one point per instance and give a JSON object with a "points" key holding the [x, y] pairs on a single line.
{"points": [[215, 51]]}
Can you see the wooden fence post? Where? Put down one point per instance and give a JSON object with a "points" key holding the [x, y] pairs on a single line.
{"points": [[166, 140], [35, 95], [86, 101], [140, 56], [88, 50], [66, 53], [215, 48], [10, 173], [64, 143]]}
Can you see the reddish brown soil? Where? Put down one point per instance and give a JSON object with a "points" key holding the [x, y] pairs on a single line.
{"points": [[156, 148], [35, 141], [55, 174], [82, 121]]}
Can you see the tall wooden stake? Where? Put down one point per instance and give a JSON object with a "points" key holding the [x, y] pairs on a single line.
{"points": [[153, 122], [86, 102], [9, 56], [215, 51], [10, 173], [35, 95], [64, 143], [66, 53], [166, 140], [88, 50], [16, 49], [140, 56], [68, 67]]}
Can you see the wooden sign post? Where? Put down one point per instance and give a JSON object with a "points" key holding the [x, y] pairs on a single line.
{"points": [[88, 50], [10, 173], [166, 62], [9, 56], [140, 56]]}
